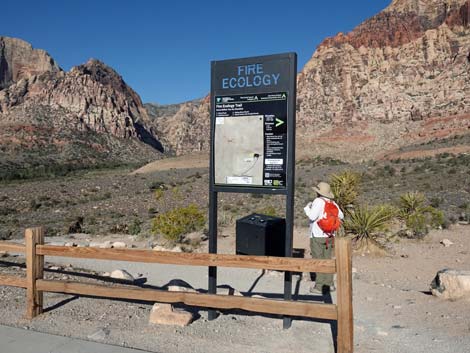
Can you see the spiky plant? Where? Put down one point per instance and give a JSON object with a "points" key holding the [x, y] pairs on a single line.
{"points": [[412, 202], [345, 187], [364, 223], [417, 215]]}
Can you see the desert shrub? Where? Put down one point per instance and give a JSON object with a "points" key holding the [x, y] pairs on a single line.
{"points": [[365, 223], [157, 185], [159, 194], [176, 192], [345, 187], [134, 228], [268, 211], [174, 224], [417, 215]]}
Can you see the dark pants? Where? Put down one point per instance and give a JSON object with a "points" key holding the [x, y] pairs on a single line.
{"points": [[320, 251]]}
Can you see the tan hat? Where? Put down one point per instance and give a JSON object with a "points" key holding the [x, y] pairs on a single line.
{"points": [[324, 189]]}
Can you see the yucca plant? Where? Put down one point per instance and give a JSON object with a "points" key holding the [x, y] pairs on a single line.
{"points": [[345, 187], [364, 224], [411, 202], [417, 215]]}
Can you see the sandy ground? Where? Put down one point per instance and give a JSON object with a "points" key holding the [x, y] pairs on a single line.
{"points": [[182, 162], [393, 309]]}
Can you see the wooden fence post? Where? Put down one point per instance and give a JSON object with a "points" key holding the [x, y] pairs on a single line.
{"points": [[345, 339], [34, 271]]}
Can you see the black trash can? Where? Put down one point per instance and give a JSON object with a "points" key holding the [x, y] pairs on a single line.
{"points": [[263, 235]]}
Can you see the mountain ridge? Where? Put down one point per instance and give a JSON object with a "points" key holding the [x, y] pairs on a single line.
{"points": [[46, 112]]}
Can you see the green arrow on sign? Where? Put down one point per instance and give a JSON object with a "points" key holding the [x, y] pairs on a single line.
{"points": [[279, 122]]}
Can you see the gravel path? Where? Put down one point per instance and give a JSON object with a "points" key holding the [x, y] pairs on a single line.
{"points": [[393, 309]]}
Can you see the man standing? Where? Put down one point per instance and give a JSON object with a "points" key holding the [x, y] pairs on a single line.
{"points": [[325, 217]]}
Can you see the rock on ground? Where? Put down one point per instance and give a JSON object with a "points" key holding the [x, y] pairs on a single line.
{"points": [[166, 314], [451, 284], [119, 245], [122, 274], [446, 242], [178, 285]]}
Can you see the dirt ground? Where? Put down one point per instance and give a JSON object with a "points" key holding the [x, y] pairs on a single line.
{"points": [[393, 308]]}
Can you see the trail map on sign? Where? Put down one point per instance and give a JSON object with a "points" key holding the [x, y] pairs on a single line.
{"points": [[251, 140]]}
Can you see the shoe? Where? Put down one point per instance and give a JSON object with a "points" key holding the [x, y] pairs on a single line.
{"points": [[327, 289], [315, 290]]}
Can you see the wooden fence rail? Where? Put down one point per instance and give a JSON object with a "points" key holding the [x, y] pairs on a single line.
{"points": [[35, 284]]}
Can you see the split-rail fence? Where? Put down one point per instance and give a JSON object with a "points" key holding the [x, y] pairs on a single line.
{"points": [[35, 284]]}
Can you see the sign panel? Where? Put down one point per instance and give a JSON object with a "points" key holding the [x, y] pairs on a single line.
{"points": [[251, 139], [252, 112]]}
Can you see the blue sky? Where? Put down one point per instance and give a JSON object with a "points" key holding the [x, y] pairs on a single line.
{"points": [[163, 49]]}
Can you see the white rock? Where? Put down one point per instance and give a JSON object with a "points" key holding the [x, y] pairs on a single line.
{"points": [[166, 314], [446, 242], [122, 274], [119, 245], [194, 236], [178, 285], [451, 284], [70, 243], [3, 254], [106, 274], [159, 248], [106, 245], [225, 289], [354, 270], [177, 249]]}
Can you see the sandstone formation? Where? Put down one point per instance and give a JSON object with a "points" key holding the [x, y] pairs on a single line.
{"points": [[18, 60], [451, 284], [88, 115], [166, 314], [378, 87], [400, 78], [187, 130]]}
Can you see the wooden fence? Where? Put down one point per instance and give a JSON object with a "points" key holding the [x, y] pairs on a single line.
{"points": [[35, 284]]}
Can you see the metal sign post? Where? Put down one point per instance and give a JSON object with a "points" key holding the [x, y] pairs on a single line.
{"points": [[253, 139]]}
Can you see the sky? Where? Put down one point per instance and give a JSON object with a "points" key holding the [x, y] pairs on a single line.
{"points": [[163, 49]]}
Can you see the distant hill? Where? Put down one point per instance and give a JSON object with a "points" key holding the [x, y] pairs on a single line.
{"points": [[398, 81], [55, 120]]}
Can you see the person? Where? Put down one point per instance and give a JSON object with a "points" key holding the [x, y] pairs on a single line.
{"points": [[325, 218]]}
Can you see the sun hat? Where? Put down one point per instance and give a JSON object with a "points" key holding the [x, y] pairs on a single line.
{"points": [[324, 189]]}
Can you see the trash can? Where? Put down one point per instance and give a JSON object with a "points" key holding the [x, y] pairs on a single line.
{"points": [[258, 234]]}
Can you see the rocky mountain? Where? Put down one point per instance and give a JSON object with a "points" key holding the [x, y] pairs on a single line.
{"points": [[18, 60], [400, 78], [185, 127], [87, 116]]}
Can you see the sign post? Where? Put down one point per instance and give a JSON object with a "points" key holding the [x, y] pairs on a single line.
{"points": [[253, 139]]}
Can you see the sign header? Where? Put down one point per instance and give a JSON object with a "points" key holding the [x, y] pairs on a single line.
{"points": [[257, 74]]}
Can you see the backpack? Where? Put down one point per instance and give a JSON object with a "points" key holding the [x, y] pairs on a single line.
{"points": [[330, 222]]}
